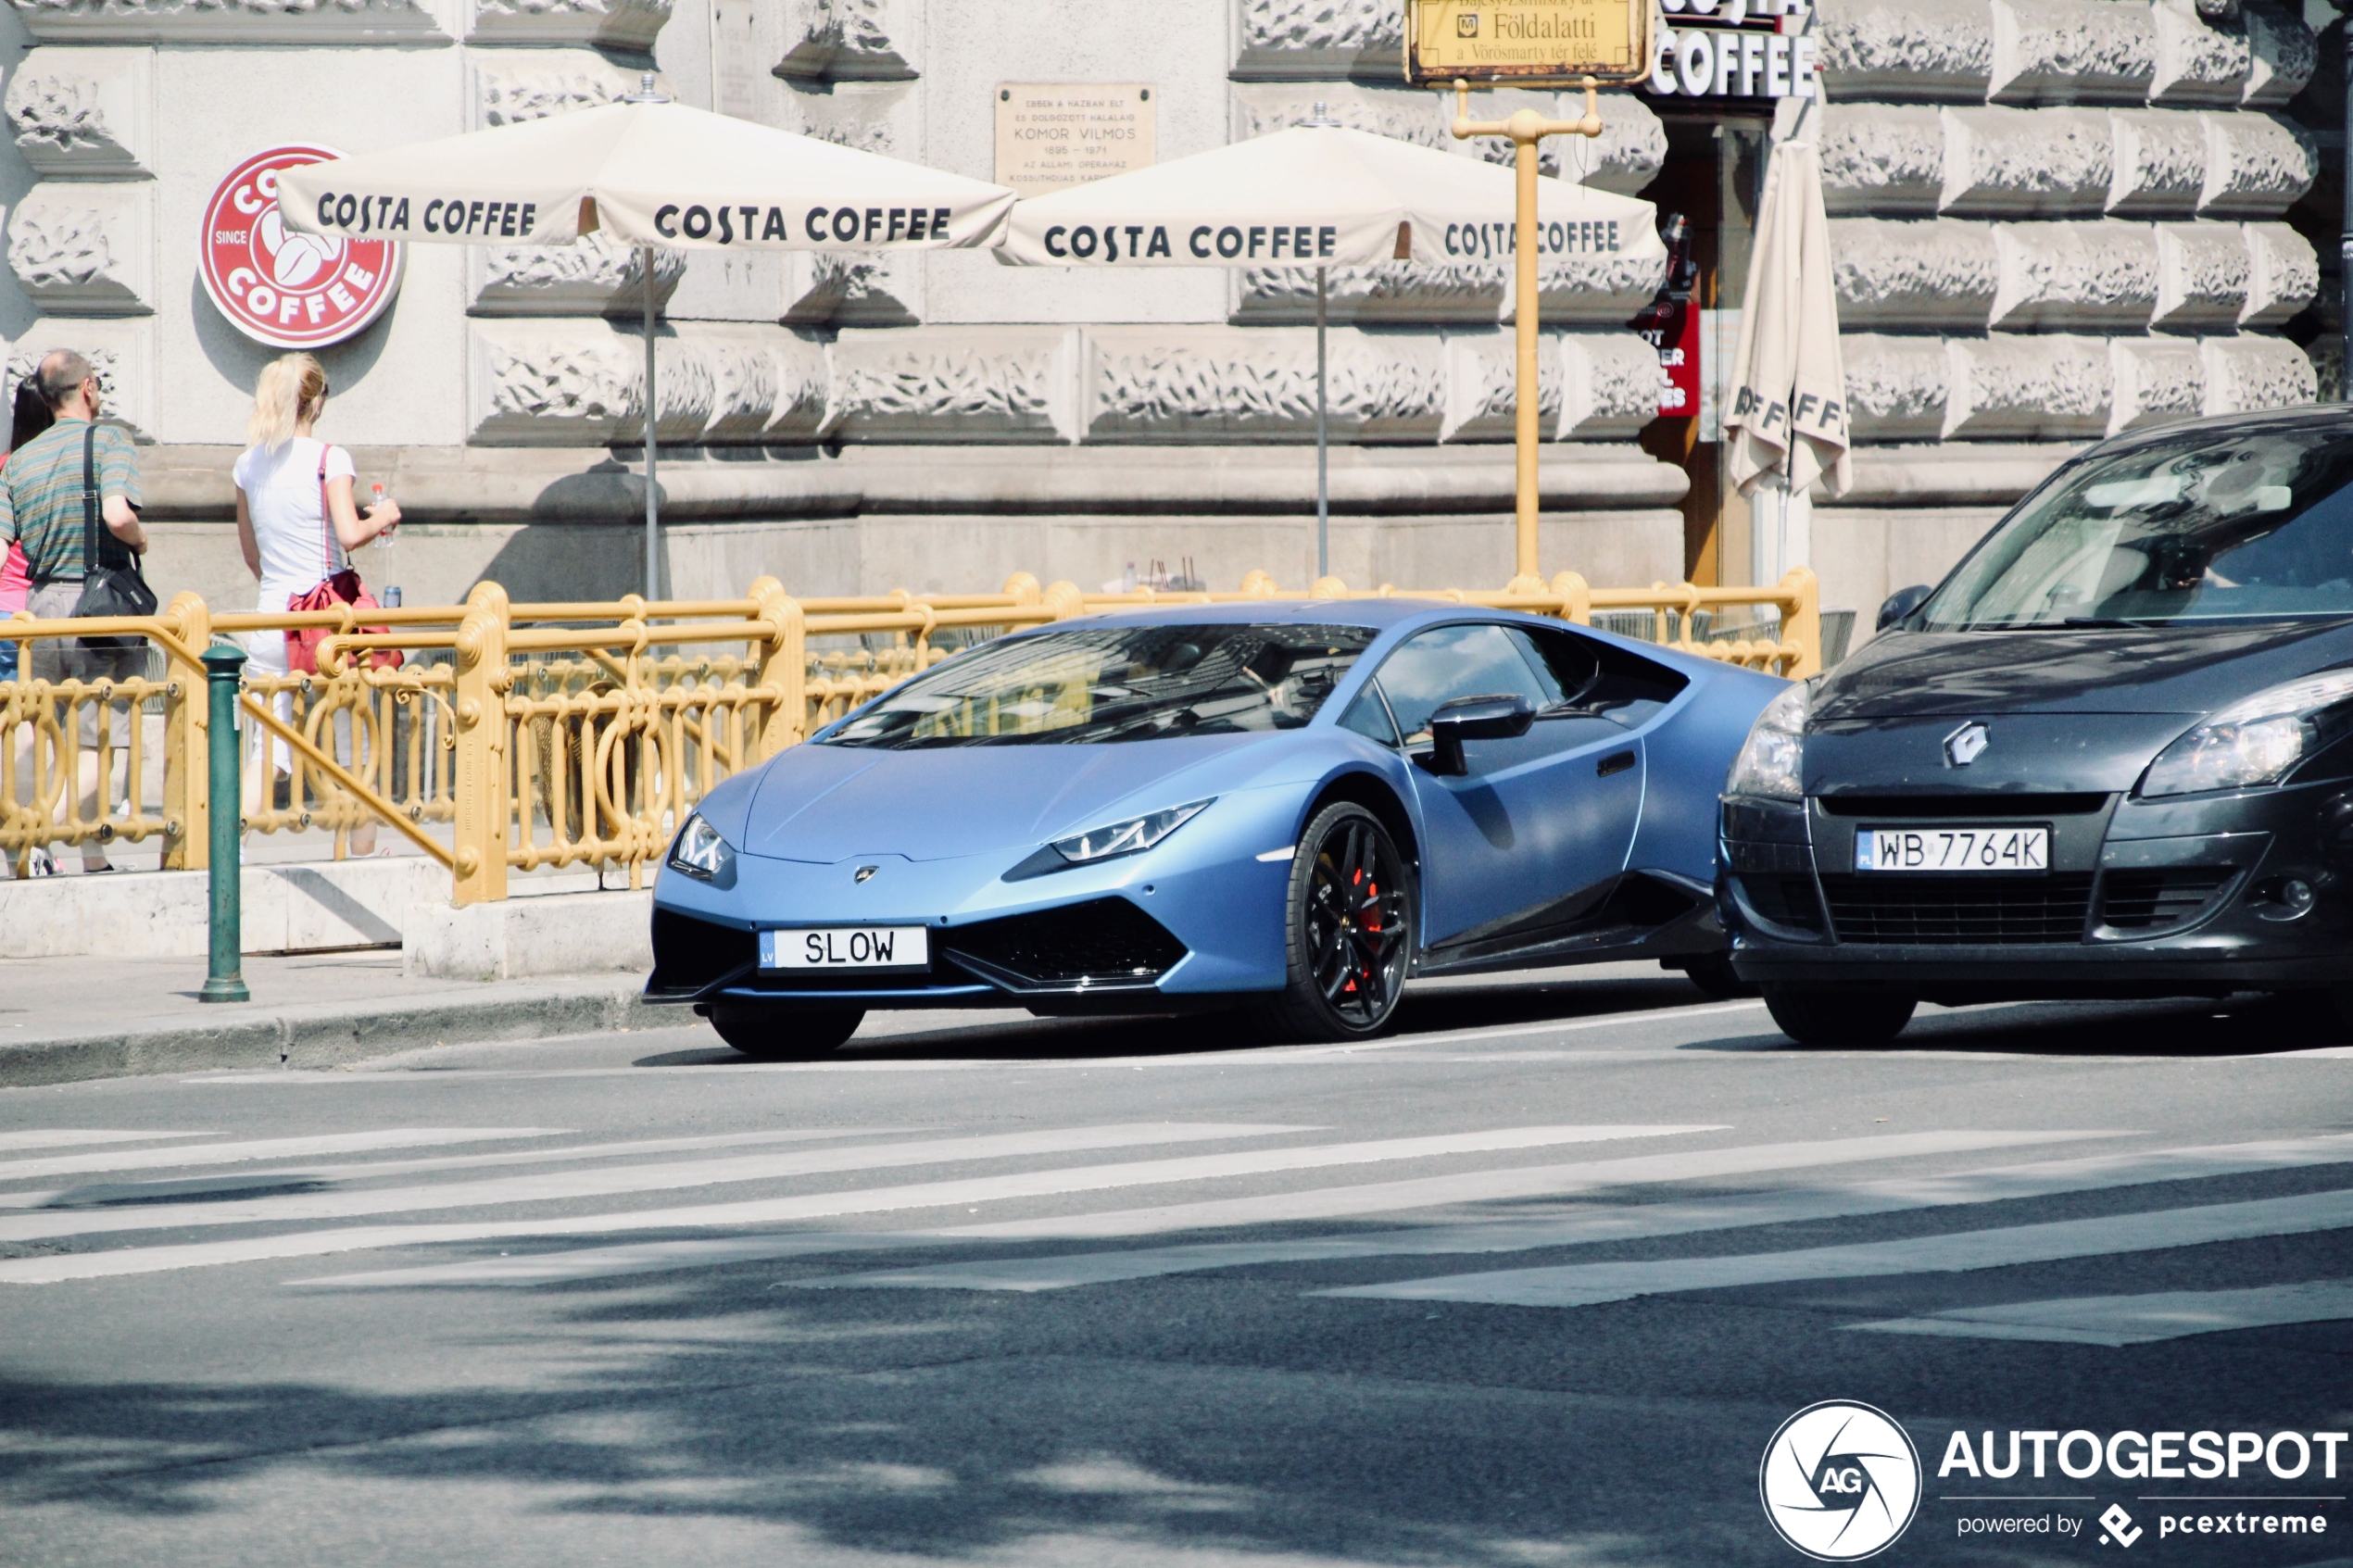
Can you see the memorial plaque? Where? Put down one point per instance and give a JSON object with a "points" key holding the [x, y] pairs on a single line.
{"points": [[1526, 42], [1053, 134]]}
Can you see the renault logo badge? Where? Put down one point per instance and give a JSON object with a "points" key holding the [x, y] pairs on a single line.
{"points": [[866, 874], [1966, 745]]}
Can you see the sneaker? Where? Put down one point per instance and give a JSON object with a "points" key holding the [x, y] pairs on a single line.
{"points": [[41, 863]]}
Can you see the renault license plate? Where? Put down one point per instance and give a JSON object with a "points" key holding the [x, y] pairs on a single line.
{"points": [[847, 948], [1953, 849]]}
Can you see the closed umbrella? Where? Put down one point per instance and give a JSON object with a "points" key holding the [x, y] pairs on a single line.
{"points": [[1317, 194], [651, 173], [1786, 416]]}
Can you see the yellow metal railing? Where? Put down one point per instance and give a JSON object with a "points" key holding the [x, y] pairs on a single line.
{"points": [[535, 736]]}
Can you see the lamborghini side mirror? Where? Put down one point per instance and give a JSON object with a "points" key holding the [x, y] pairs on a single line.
{"points": [[1901, 603], [1497, 716]]}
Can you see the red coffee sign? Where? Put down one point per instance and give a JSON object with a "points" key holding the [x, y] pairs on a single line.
{"points": [[279, 287]]}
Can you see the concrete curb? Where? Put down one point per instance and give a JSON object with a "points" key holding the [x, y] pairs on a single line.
{"points": [[330, 1035]]}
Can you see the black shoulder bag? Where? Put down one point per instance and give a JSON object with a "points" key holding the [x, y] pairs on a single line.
{"points": [[111, 582]]}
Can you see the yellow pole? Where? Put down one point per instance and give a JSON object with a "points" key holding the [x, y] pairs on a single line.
{"points": [[1527, 130]]}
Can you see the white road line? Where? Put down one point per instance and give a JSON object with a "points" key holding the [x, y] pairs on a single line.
{"points": [[751, 1212], [1636, 1222], [1495, 1186], [363, 1170], [2135, 1320], [1319, 1203], [1584, 1284], [615, 1180], [265, 1149], [68, 1137]]}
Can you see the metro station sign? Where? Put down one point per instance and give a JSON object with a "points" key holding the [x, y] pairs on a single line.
{"points": [[286, 289], [1526, 42]]}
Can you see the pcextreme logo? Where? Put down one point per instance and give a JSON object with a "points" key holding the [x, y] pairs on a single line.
{"points": [[1840, 1481]]}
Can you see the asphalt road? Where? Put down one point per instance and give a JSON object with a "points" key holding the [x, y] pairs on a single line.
{"points": [[1533, 1283]]}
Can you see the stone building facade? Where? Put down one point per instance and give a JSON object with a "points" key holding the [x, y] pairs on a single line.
{"points": [[2053, 220]]}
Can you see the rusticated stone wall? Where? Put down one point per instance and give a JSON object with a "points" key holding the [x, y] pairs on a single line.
{"points": [[2053, 220]]}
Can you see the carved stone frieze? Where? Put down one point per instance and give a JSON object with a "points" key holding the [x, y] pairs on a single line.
{"points": [[2283, 56], [1397, 111], [2014, 386], [84, 113], [1907, 49], [1254, 384], [2097, 275], [1611, 385], [1596, 288], [1896, 387], [2202, 275], [851, 40], [955, 383], [1319, 38], [617, 24], [2257, 164], [515, 86], [1482, 386], [123, 351], [2196, 63], [1388, 292], [237, 21], [573, 383], [2159, 163], [1881, 159], [2071, 52], [2005, 162], [1914, 272], [596, 275], [85, 247], [854, 288], [2157, 379], [2282, 274], [2255, 370]]}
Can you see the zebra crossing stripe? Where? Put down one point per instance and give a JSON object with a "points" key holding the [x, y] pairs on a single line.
{"points": [[1634, 1222], [615, 1180], [1316, 1203], [265, 1149], [2135, 1320], [1585, 1285], [56, 1267]]}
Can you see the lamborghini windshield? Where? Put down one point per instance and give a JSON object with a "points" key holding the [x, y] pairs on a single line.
{"points": [[1116, 683], [2199, 527]]}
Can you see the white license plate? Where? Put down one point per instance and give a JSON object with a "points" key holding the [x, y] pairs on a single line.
{"points": [[846, 946], [1953, 849]]}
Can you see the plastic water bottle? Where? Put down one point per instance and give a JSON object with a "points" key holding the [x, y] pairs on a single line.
{"points": [[383, 540]]}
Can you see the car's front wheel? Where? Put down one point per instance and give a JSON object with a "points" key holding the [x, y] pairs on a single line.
{"points": [[1349, 930], [767, 1035], [1839, 1018]]}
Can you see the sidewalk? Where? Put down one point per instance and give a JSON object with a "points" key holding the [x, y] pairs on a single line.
{"points": [[63, 1018]]}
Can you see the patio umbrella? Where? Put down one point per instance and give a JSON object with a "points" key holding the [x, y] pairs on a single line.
{"points": [[650, 172], [1786, 402], [1317, 194]]}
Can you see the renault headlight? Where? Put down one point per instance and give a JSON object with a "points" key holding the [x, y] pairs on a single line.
{"points": [[702, 853], [1131, 837], [2255, 740], [1769, 762]]}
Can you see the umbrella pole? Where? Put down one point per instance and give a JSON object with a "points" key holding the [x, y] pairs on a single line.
{"points": [[653, 511], [1323, 473]]}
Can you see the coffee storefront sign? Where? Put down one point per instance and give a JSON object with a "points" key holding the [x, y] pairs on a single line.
{"points": [[279, 287], [1731, 49]]}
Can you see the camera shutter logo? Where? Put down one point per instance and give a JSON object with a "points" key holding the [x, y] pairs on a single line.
{"points": [[286, 289], [1839, 1481]]}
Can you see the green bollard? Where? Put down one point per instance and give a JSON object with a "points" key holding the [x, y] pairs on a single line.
{"points": [[223, 666]]}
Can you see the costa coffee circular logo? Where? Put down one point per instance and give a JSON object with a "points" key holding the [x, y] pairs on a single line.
{"points": [[286, 289]]}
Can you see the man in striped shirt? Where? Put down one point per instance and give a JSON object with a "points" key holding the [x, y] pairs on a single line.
{"points": [[41, 506]]}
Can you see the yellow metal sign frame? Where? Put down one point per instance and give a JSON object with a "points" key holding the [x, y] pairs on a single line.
{"points": [[1526, 42]]}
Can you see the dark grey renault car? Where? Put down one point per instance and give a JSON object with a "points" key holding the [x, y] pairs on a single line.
{"points": [[2111, 756]]}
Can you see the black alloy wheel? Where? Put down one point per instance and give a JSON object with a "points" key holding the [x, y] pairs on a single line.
{"points": [[1349, 930], [1839, 1018], [771, 1035]]}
